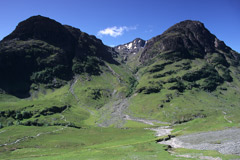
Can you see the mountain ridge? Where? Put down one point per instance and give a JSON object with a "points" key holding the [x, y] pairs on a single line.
{"points": [[75, 52], [85, 100], [186, 56]]}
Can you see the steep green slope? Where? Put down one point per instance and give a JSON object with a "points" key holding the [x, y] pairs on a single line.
{"points": [[187, 73]]}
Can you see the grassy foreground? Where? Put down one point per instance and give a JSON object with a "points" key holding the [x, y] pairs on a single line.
{"points": [[88, 143], [49, 111], [93, 143]]}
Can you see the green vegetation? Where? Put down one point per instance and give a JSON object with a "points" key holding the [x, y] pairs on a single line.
{"points": [[68, 98], [103, 143]]}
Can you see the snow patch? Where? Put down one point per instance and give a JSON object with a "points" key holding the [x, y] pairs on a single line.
{"points": [[129, 46]]}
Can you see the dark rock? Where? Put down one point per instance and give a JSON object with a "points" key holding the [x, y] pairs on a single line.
{"points": [[178, 86], [165, 139], [164, 74], [45, 29], [160, 106], [190, 118], [53, 110], [149, 90], [41, 50]]}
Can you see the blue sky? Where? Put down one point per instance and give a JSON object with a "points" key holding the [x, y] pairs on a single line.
{"points": [[120, 21]]}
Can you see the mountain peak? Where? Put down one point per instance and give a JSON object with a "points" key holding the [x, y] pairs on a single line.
{"points": [[42, 28], [29, 27], [188, 37], [130, 49], [138, 39], [188, 26]]}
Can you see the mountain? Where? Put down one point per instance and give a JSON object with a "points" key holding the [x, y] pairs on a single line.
{"points": [[185, 61], [129, 53], [130, 48], [47, 68], [84, 99], [41, 50], [191, 40]]}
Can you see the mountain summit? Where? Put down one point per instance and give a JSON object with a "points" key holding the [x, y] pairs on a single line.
{"points": [[45, 29], [188, 38], [132, 47]]}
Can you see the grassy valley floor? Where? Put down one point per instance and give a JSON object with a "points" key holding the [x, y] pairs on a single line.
{"points": [[131, 142]]}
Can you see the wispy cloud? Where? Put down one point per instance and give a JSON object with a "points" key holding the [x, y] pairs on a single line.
{"points": [[149, 29], [115, 31]]}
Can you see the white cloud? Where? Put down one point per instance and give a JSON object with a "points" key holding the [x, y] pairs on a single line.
{"points": [[149, 31], [115, 31]]}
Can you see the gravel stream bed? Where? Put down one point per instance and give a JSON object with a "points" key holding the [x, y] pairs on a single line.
{"points": [[225, 141]]}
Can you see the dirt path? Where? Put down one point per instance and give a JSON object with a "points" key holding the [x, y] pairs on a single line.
{"points": [[28, 137], [71, 90], [146, 121]]}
